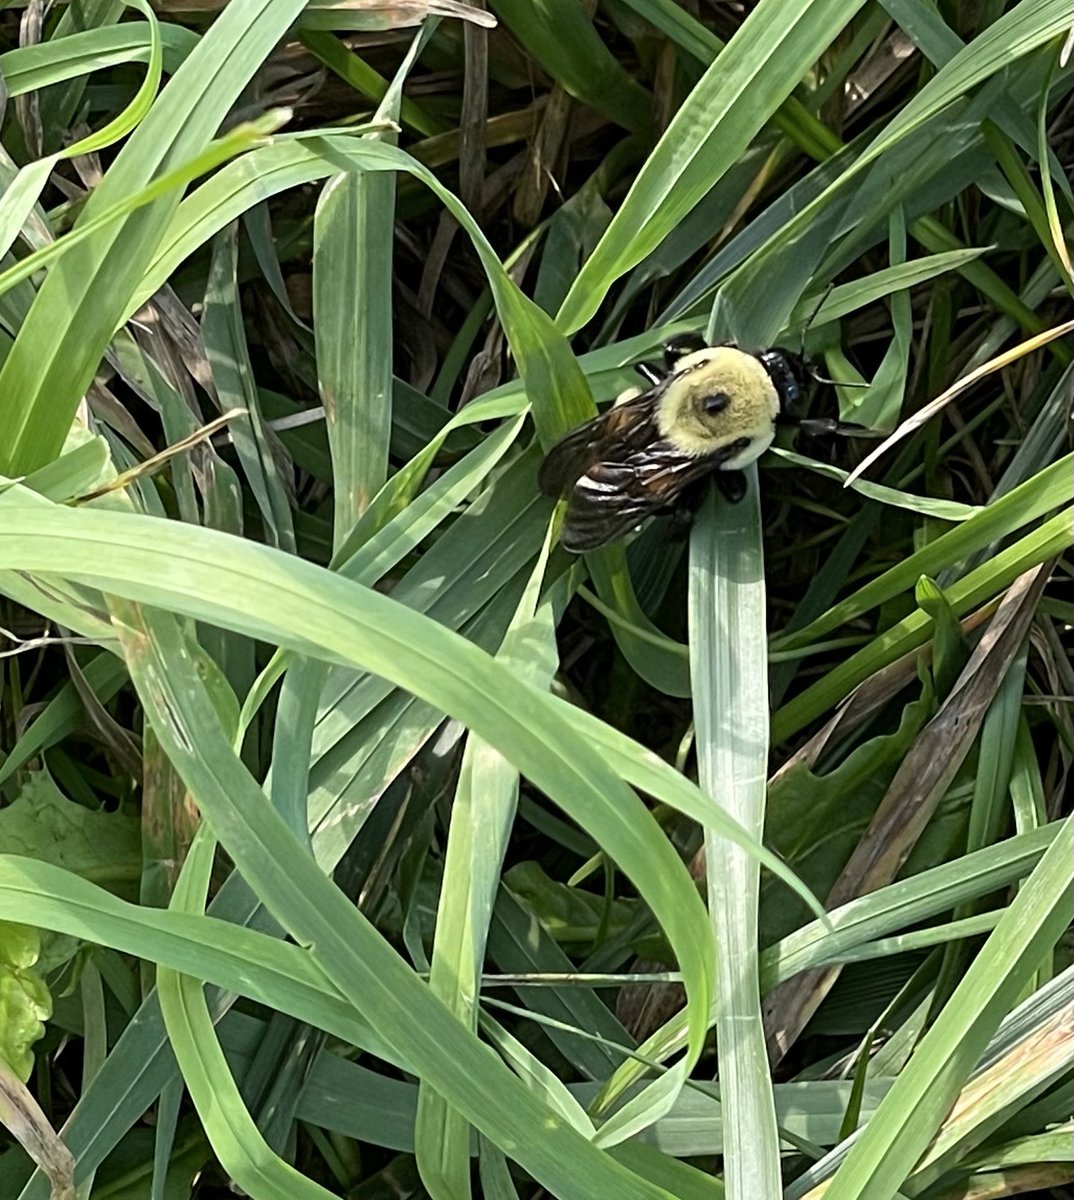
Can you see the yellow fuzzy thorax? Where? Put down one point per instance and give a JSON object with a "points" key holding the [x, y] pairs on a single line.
{"points": [[750, 414]]}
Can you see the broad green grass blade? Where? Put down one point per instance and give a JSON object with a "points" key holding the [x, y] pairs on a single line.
{"points": [[238, 1143], [345, 946], [729, 670], [352, 269], [278, 596], [481, 820], [849, 297], [352, 290], [495, 1175], [238, 959], [30, 68]]}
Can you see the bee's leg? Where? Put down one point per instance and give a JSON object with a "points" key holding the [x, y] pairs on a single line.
{"points": [[819, 426], [651, 373], [681, 345], [827, 426], [684, 509], [732, 485]]}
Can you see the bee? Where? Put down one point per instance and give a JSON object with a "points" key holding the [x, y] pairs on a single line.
{"points": [[710, 412]]}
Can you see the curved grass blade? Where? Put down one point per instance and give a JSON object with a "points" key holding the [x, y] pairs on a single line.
{"points": [[292, 603], [341, 941], [31, 68]]}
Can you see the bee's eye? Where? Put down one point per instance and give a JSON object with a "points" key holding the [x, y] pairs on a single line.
{"points": [[715, 403]]}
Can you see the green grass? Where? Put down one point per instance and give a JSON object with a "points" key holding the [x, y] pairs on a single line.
{"points": [[357, 841]]}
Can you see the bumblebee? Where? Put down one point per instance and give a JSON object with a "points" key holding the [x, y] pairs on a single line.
{"points": [[710, 411]]}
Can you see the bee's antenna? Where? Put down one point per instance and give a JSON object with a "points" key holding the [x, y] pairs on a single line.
{"points": [[812, 317], [846, 383], [810, 369]]}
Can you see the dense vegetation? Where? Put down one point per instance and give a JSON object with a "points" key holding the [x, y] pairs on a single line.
{"points": [[355, 839]]}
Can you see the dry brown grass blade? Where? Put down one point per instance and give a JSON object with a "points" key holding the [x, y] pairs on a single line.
{"points": [[154, 464], [1014, 1182], [108, 408], [173, 338], [1024, 1069], [473, 164], [876, 70], [388, 14], [545, 152], [503, 129], [29, 1126], [957, 388], [119, 741], [28, 105], [919, 784], [871, 695]]}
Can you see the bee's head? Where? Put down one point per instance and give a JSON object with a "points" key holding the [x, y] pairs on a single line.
{"points": [[787, 370], [714, 396]]}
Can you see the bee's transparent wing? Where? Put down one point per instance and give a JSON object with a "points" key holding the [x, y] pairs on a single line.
{"points": [[616, 434], [611, 498]]}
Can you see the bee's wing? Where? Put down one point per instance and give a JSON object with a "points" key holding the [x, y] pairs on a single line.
{"points": [[619, 432], [611, 498]]}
